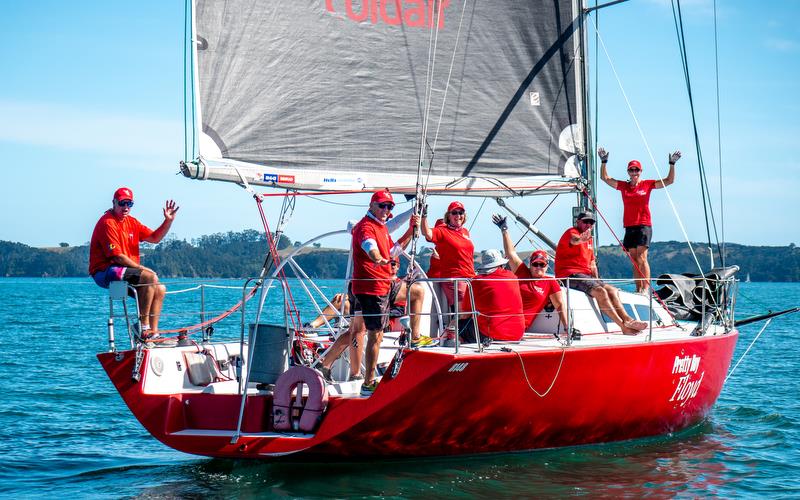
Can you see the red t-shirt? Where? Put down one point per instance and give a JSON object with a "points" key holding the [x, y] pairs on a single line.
{"points": [[498, 300], [535, 294], [368, 277], [575, 259], [455, 251], [636, 201], [113, 236], [433, 268]]}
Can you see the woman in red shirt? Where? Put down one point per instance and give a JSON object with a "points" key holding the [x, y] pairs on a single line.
{"points": [[636, 217], [455, 250]]}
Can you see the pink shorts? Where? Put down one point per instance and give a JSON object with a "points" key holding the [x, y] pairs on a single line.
{"points": [[448, 290]]}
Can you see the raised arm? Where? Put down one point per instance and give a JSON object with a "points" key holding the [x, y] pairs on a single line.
{"points": [[426, 229], [603, 154], [670, 178], [508, 246], [403, 240], [170, 209]]}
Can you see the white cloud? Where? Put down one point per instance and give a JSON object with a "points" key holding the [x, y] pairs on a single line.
{"points": [[75, 129], [782, 44]]}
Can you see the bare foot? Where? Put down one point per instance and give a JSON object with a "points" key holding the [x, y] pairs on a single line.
{"points": [[636, 325], [629, 331]]}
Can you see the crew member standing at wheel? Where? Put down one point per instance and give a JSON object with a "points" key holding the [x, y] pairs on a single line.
{"points": [[636, 216]]}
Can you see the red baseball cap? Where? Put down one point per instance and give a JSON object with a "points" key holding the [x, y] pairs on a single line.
{"points": [[382, 196], [539, 256], [455, 205], [635, 163], [123, 193]]}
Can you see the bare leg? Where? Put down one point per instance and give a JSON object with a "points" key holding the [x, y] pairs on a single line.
{"points": [[339, 345], [644, 267], [155, 307], [331, 313], [415, 307], [357, 345], [146, 292], [374, 339], [602, 296], [634, 254]]}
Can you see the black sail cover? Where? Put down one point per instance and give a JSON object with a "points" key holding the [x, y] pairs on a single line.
{"points": [[340, 86]]}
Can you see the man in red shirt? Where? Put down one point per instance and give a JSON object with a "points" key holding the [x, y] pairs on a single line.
{"points": [[575, 260], [537, 289], [373, 251], [114, 255], [497, 300], [636, 216]]}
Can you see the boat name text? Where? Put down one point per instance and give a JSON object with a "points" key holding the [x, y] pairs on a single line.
{"points": [[686, 364], [411, 13]]}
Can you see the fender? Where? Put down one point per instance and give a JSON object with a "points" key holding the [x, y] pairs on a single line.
{"points": [[309, 412]]}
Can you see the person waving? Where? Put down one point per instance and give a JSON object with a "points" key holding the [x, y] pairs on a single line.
{"points": [[636, 216]]}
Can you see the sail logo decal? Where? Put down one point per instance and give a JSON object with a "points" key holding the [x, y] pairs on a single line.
{"points": [[286, 179], [411, 13], [690, 377], [458, 367]]}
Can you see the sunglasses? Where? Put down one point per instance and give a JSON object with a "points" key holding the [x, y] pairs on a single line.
{"points": [[125, 203], [587, 221], [457, 212], [634, 170], [386, 206], [538, 264]]}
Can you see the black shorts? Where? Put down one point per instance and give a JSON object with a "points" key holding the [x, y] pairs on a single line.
{"points": [[374, 309], [583, 283], [637, 236]]}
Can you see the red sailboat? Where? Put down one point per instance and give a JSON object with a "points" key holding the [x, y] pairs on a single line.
{"points": [[425, 98]]}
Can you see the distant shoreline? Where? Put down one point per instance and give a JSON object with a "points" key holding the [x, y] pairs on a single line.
{"points": [[241, 254]]}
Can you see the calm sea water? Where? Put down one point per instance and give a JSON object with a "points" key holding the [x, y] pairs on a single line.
{"points": [[67, 431]]}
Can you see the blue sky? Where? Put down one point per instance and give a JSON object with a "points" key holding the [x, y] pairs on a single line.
{"points": [[91, 99]]}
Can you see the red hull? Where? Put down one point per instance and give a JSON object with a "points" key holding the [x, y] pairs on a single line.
{"points": [[445, 404]]}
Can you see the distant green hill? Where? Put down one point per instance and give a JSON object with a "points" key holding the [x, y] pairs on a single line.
{"points": [[241, 254]]}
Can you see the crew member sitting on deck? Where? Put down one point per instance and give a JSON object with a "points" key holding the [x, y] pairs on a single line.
{"points": [[536, 288], [497, 300], [575, 260], [114, 256]]}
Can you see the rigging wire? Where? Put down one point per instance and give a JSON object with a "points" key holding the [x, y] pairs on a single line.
{"points": [[647, 147], [706, 195], [475, 218], [527, 229], [747, 350], [444, 97], [185, 69], [719, 138]]}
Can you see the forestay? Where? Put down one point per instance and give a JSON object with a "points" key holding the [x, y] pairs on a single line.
{"points": [[331, 94]]}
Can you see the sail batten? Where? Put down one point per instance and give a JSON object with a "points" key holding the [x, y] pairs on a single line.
{"points": [[338, 87]]}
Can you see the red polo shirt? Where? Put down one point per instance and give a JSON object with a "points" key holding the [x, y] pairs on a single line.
{"points": [[636, 202], [113, 236], [573, 259], [535, 294], [368, 277]]}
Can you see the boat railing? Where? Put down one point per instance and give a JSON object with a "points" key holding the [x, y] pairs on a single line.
{"points": [[715, 304]]}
